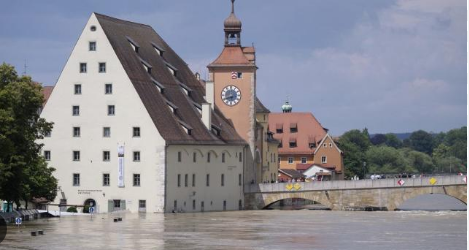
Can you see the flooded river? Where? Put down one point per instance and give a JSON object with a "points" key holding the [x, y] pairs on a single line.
{"points": [[265, 229]]}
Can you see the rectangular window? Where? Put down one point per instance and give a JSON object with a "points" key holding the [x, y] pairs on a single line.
{"points": [[106, 180], [224, 205], [111, 110], [222, 180], [92, 46], [293, 144], [102, 67], [303, 160], [136, 132], [290, 160], [223, 157], [76, 155], [142, 204], [175, 204], [117, 203], [82, 67], [179, 180], [106, 132], [324, 159], [47, 155], [240, 75], [136, 155], [186, 180], [106, 155], [76, 131], [76, 179], [240, 179], [240, 157], [208, 180], [179, 156], [193, 204], [76, 110], [108, 88], [193, 180], [208, 157], [136, 180], [77, 89], [194, 157]]}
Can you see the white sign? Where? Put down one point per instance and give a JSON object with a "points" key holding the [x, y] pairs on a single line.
{"points": [[120, 168], [18, 221], [400, 182]]}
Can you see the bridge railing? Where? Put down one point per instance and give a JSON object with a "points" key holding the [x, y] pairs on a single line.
{"points": [[353, 184]]}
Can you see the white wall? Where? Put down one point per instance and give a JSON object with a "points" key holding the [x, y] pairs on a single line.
{"points": [[214, 195], [130, 112]]}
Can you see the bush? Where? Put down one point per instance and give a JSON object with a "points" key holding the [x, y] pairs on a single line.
{"points": [[72, 210], [86, 209]]}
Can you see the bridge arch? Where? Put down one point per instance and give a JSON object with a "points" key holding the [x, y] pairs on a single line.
{"points": [[318, 196], [457, 192]]}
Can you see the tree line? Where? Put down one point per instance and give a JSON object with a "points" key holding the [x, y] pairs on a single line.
{"points": [[24, 173], [421, 153]]}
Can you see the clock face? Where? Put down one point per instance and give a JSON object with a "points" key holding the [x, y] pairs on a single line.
{"points": [[231, 95]]}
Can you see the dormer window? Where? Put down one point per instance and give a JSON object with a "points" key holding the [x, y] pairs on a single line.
{"points": [[186, 127], [146, 66], [158, 85], [292, 143], [216, 130], [158, 49], [185, 88], [171, 106], [171, 69], [133, 44], [279, 128], [293, 127]]}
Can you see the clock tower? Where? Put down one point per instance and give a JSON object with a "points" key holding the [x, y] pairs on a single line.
{"points": [[233, 75]]}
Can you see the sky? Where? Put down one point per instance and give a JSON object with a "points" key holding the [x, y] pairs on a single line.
{"points": [[387, 65]]}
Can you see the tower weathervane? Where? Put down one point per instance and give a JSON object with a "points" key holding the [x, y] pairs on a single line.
{"points": [[232, 6]]}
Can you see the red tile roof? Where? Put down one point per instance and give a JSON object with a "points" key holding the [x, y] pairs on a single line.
{"points": [[46, 91], [309, 130], [231, 56]]}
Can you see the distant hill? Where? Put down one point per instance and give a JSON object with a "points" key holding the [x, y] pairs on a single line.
{"points": [[402, 136]]}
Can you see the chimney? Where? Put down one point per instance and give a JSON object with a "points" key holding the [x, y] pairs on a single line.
{"points": [[209, 93], [207, 115]]}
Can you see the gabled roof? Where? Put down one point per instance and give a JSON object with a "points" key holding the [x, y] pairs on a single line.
{"points": [[169, 124], [291, 173], [260, 108], [332, 141], [309, 130]]}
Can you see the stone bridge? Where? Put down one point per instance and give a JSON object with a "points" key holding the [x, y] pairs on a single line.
{"points": [[344, 195]]}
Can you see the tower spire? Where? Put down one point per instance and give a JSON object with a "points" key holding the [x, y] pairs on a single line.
{"points": [[232, 29], [232, 6]]}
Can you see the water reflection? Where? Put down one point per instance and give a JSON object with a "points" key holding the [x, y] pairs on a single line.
{"points": [[266, 229]]}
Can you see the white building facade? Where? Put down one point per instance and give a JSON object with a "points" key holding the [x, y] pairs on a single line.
{"points": [[123, 86]]}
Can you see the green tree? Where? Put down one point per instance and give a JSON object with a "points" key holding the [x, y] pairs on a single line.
{"points": [[20, 127], [354, 144], [387, 160], [393, 141], [420, 161], [421, 141]]}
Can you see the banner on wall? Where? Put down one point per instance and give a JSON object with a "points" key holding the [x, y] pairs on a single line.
{"points": [[120, 167]]}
